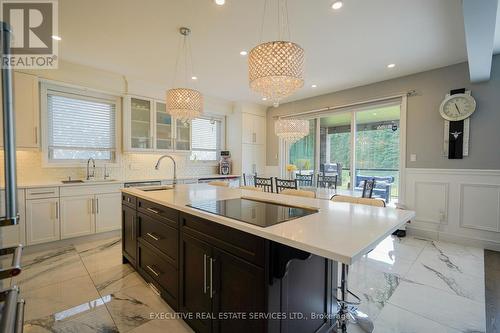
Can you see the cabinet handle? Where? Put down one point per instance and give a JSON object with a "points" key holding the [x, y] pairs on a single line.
{"points": [[152, 270], [91, 206], [41, 193], [97, 205], [36, 134], [132, 229], [153, 210], [211, 277], [156, 238], [57, 210], [155, 290], [254, 137], [204, 273]]}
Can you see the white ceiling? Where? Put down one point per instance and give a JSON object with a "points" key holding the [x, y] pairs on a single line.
{"points": [[344, 48]]}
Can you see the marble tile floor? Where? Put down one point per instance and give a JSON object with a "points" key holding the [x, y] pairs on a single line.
{"points": [[406, 285]]}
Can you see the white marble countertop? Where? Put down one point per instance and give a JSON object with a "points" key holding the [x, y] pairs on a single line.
{"points": [[339, 231], [59, 183]]}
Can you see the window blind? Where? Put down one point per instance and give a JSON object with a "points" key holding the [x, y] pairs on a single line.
{"points": [[80, 127], [205, 139]]}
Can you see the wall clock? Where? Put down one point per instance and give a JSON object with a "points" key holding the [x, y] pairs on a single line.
{"points": [[456, 109]]}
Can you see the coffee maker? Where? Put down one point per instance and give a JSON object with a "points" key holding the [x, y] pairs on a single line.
{"points": [[225, 163]]}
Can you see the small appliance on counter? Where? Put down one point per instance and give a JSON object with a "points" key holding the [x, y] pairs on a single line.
{"points": [[225, 163]]}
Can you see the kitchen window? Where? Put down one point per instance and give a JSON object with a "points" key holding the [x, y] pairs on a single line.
{"points": [[79, 124], [206, 138]]}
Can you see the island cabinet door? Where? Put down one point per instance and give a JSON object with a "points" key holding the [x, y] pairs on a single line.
{"points": [[129, 234], [195, 300], [238, 294]]}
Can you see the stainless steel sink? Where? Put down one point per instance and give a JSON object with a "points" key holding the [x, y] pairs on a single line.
{"points": [[72, 181], [156, 188]]}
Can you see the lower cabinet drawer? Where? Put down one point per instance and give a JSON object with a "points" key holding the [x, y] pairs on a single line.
{"points": [[152, 263], [160, 235]]}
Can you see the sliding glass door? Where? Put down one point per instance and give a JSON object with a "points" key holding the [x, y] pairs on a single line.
{"points": [[377, 148], [356, 144]]}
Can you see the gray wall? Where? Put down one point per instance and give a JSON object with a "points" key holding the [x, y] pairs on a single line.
{"points": [[424, 124]]}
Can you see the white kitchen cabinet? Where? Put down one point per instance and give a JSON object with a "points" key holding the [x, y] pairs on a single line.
{"points": [[77, 216], [147, 127], [13, 235], [42, 220], [108, 212], [26, 107], [253, 159], [253, 129]]}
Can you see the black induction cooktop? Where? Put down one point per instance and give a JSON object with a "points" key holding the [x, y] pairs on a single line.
{"points": [[260, 213]]}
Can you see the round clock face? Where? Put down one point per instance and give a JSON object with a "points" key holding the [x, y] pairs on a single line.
{"points": [[457, 107]]}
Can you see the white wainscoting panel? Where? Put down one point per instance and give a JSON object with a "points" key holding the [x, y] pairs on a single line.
{"points": [[480, 206], [455, 205]]}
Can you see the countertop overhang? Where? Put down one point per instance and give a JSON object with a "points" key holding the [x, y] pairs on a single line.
{"points": [[339, 231]]}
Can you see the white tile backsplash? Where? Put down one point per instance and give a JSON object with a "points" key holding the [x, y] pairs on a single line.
{"points": [[131, 167]]}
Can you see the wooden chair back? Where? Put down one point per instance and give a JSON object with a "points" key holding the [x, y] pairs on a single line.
{"points": [[327, 181], [368, 187], [282, 184], [265, 183], [304, 180]]}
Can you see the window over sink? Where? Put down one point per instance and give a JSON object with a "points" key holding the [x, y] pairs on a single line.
{"points": [[78, 124], [206, 138]]}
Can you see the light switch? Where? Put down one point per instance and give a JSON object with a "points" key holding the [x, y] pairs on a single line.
{"points": [[413, 157]]}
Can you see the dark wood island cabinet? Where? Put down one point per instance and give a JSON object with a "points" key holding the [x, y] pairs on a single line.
{"points": [[223, 279]]}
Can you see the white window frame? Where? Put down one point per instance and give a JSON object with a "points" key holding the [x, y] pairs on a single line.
{"points": [[84, 92], [222, 139]]}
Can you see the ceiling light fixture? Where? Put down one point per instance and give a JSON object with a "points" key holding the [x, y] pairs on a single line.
{"points": [[264, 98], [243, 53], [275, 68], [194, 78], [291, 130], [220, 2], [54, 37], [337, 5], [313, 86], [391, 65], [184, 103]]}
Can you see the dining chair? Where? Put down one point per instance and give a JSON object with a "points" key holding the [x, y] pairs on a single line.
{"points": [[327, 181], [265, 183], [249, 180], [218, 183], [368, 187], [299, 193], [304, 180], [357, 200], [252, 188], [282, 184]]}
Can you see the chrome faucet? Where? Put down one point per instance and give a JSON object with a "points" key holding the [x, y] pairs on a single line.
{"points": [[89, 175], [157, 166]]}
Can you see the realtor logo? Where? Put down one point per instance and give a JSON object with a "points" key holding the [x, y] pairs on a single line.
{"points": [[33, 25]]}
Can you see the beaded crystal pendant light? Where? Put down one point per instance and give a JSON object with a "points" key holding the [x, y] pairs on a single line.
{"points": [[184, 103], [291, 130], [275, 68]]}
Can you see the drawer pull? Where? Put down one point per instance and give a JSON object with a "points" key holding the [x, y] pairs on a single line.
{"points": [[41, 193], [155, 290], [156, 238], [204, 273], [152, 270], [153, 210]]}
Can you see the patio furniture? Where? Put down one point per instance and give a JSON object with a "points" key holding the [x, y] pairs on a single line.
{"points": [[327, 181], [382, 188], [265, 183], [282, 184], [304, 180]]}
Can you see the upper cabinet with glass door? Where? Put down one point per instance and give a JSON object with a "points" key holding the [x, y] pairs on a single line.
{"points": [[148, 127], [141, 135], [164, 128]]}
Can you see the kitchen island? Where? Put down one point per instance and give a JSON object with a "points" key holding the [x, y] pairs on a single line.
{"points": [[226, 275]]}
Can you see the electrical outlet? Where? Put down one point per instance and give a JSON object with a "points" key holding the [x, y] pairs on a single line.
{"points": [[413, 157]]}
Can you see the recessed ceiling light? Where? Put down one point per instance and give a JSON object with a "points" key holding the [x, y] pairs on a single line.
{"points": [[243, 53], [220, 2], [54, 37], [313, 86], [194, 78], [264, 98], [337, 5], [391, 65]]}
